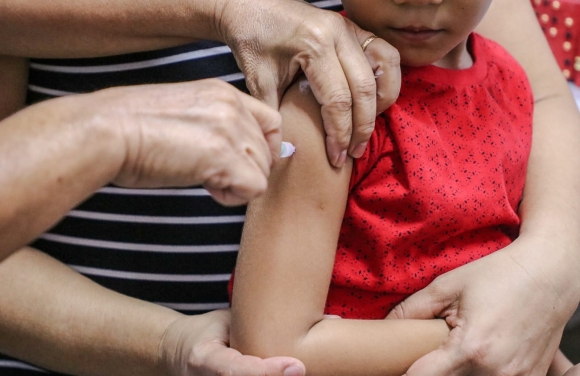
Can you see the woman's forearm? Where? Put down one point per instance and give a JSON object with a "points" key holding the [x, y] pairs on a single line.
{"points": [[52, 156], [13, 77], [58, 319], [551, 206], [87, 28]]}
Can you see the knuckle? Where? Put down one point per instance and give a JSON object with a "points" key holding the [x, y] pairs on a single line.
{"points": [[219, 180], [339, 101], [274, 123], [365, 130], [226, 119], [339, 135], [322, 33], [229, 97], [387, 99], [366, 87], [316, 37], [392, 57]]}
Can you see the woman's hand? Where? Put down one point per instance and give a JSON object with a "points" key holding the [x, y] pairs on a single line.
{"points": [[204, 132], [507, 312], [574, 371], [173, 135], [198, 345], [272, 40]]}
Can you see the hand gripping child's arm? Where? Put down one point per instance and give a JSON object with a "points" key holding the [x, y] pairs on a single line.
{"points": [[542, 266], [285, 265]]}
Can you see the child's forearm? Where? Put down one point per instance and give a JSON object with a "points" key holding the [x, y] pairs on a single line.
{"points": [[336, 347]]}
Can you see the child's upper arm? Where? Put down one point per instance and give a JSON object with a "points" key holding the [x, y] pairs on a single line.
{"points": [[285, 266], [289, 241]]}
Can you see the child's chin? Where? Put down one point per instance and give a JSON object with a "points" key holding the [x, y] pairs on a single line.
{"points": [[416, 62]]}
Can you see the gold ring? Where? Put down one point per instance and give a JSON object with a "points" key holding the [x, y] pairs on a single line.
{"points": [[368, 41]]}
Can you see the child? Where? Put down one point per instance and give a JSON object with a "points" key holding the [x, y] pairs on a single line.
{"points": [[438, 186]]}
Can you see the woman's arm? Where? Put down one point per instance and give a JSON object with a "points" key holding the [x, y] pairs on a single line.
{"points": [[87, 28], [55, 318], [286, 261], [542, 266], [13, 78], [44, 311], [138, 137], [551, 206], [271, 41]]}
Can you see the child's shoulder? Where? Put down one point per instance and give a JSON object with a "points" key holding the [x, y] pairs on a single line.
{"points": [[494, 53], [503, 70]]}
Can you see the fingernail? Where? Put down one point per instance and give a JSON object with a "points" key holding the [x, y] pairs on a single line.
{"points": [[359, 150], [341, 159], [293, 371]]}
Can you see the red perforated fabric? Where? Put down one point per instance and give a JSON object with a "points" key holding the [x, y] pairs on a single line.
{"points": [[439, 184]]}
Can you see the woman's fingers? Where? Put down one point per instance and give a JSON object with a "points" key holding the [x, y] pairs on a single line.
{"points": [[204, 132], [326, 47]]}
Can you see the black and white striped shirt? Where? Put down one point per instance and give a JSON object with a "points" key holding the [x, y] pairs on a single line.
{"points": [[174, 247]]}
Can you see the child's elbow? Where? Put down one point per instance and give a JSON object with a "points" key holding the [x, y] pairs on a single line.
{"points": [[264, 343]]}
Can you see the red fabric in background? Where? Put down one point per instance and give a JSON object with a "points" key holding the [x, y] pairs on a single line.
{"points": [[560, 22]]}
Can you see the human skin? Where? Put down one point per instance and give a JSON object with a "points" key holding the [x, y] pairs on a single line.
{"points": [[146, 136], [289, 242], [285, 265], [297, 36], [446, 28], [542, 266], [461, 354], [553, 207], [574, 371], [116, 134], [13, 78], [326, 42]]}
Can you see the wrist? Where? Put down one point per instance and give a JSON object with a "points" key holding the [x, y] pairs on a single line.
{"points": [[551, 261], [173, 351], [204, 20], [94, 118], [225, 15], [167, 352]]}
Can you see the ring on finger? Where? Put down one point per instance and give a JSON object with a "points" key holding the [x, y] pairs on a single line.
{"points": [[368, 41]]}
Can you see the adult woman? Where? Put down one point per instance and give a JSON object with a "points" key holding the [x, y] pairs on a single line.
{"points": [[99, 349]]}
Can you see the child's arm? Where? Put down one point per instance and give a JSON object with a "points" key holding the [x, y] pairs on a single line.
{"points": [[285, 264], [13, 78]]}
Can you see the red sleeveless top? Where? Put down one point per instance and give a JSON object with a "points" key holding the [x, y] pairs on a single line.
{"points": [[439, 184]]}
